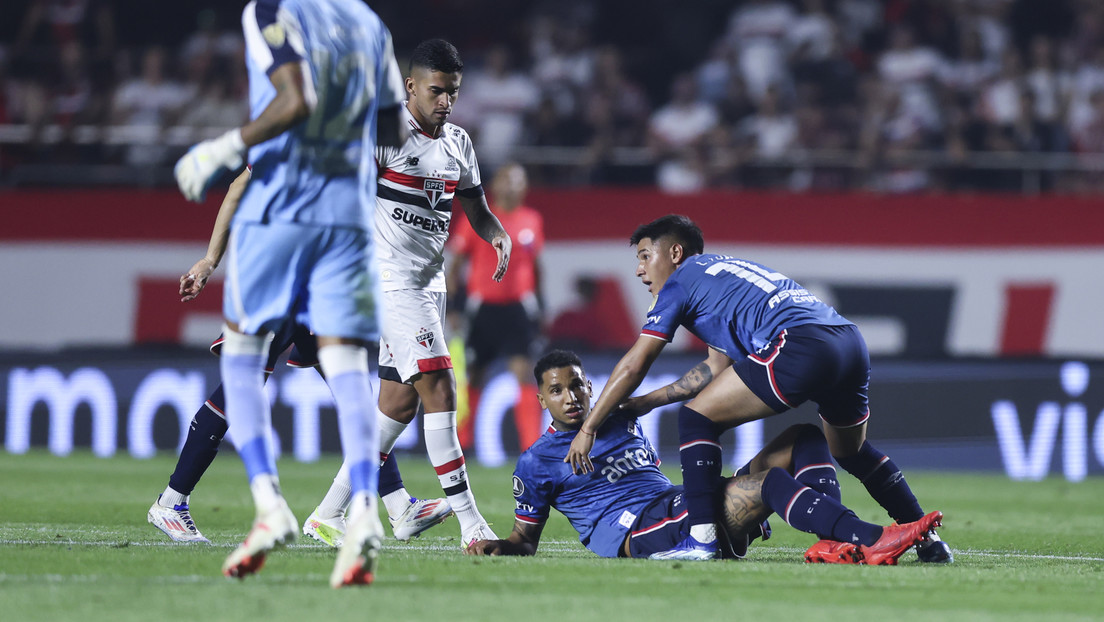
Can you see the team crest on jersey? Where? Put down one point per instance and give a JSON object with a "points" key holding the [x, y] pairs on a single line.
{"points": [[425, 338], [274, 35], [434, 188], [519, 486]]}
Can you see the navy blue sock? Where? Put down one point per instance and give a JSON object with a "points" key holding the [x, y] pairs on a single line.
{"points": [[700, 455], [201, 445], [812, 462], [390, 479], [884, 481], [814, 512]]}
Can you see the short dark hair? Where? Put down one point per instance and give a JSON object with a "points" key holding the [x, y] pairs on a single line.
{"points": [[554, 359], [437, 55], [676, 226]]}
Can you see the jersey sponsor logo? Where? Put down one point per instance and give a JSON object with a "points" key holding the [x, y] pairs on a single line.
{"points": [[434, 189], [524, 507], [431, 225], [519, 487], [618, 467], [425, 338], [796, 296], [452, 165], [654, 319], [411, 161]]}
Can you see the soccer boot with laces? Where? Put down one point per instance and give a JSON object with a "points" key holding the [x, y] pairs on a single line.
{"points": [[832, 552], [689, 550], [176, 522], [359, 555], [420, 516], [328, 531], [933, 550], [482, 531], [896, 539], [272, 529]]}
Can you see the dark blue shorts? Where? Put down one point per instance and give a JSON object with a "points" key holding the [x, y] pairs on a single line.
{"points": [[660, 526], [303, 354], [829, 365]]}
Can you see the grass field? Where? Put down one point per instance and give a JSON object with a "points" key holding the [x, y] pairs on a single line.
{"points": [[75, 545]]}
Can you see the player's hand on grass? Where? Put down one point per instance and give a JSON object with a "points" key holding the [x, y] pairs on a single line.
{"points": [[503, 246], [578, 455], [484, 547], [198, 169], [196, 279]]}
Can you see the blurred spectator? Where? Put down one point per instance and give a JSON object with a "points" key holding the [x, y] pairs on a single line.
{"points": [[218, 105], [769, 134], [758, 30], [1001, 99], [147, 104], [912, 71], [966, 74], [497, 101], [677, 135]]}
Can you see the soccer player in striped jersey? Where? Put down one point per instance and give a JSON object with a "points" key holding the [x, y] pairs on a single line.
{"points": [[772, 346], [416, 188], [626, 507]]}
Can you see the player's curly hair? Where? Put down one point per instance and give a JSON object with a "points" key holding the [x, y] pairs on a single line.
{"points": [[676, 226], [437, 55], [554, 359]]}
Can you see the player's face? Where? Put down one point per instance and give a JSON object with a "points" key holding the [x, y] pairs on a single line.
{"points": [[655, 262], [431, 95], [566, 393]]}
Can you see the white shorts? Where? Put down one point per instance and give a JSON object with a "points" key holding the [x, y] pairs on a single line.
{"points": [[412, 339]]}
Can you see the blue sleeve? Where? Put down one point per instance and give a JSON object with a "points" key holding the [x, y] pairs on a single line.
{"points": [[532, 493]]}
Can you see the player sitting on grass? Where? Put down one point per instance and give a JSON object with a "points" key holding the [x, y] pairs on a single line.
{"points": [[626, 507]]}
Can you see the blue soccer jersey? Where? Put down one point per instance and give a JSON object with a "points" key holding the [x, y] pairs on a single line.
{"points": [[602, 505], [309, 174], [734, 305]]}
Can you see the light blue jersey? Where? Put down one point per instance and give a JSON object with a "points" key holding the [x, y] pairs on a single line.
{"points": [[309, 174], [301, 240], [602, 505], [734, 305]]}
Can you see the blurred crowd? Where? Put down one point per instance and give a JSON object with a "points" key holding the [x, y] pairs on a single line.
{"points": [[892, 95]]}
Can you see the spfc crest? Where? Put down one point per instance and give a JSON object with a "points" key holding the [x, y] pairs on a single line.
{"points": [[434, 188], [425, 338]]}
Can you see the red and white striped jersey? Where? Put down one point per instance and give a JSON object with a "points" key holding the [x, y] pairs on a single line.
{"points": [[414, 203]]}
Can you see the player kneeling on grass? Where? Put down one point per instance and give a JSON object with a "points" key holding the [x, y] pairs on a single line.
{"points": [[626, 507]]}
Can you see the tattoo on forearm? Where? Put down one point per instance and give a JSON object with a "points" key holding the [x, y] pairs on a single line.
{"points": [[691, 383]]}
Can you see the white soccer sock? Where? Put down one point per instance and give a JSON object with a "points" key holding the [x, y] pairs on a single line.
{"points": [[266, 492], [337, 497], [704, 533], [447, 458], [396, 503], [346, 371], [389, 431], [170, 497]]}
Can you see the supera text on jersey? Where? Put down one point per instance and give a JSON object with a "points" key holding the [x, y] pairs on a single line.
{"points": [[420, 222]]}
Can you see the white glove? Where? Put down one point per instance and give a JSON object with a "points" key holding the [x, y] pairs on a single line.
{"points": [[198, 169]]}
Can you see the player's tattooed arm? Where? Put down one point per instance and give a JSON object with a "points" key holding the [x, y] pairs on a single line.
{"points": [[689, 385], [743, 503], [523, 540]]}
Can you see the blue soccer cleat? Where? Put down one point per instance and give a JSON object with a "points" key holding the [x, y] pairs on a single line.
{"points": [[933, 550], [689, 550]]}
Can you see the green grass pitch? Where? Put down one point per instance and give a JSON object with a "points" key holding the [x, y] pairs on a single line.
{"points": [[75, 545]]}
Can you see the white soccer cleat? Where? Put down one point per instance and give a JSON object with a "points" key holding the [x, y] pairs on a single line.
{"points": [[176, 522], [328, 531], [482, 531], [420, 516], [359, 555], [271, 530]]}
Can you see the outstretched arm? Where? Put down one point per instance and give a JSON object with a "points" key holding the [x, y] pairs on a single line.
{"points": [[523, 540], [626, 377], [486, 225], [689, 385], [193, 282]]}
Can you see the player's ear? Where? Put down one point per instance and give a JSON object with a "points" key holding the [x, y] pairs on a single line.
{"points": [[590, 388], [677, 253], [540, 398], [409, 82]]}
